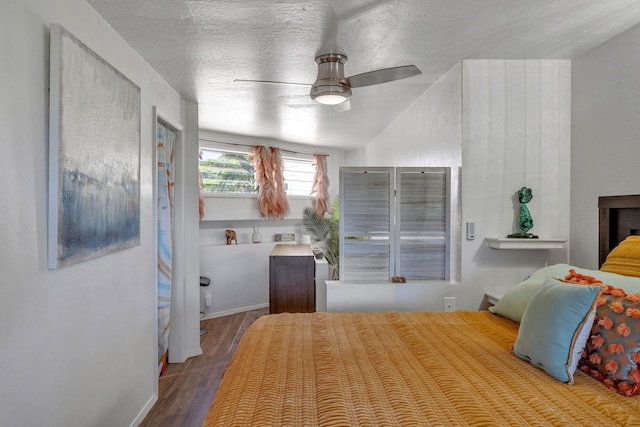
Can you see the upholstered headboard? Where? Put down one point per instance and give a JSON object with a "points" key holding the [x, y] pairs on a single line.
{"points": [[619, 217]]}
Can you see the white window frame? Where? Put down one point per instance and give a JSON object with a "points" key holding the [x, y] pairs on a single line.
{"points": [[241, 149]]}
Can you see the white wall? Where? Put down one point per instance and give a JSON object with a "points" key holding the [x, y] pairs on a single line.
{"points": [[516, 132], [184, 325], [78, 344], [605, 130], [506, 124], [428, 133], [240, 273]]}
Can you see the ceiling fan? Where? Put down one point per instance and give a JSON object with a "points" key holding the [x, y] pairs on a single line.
{"points": [[332, 87]]}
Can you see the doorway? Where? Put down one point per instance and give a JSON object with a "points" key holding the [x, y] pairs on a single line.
{"points": [[167, 138]]}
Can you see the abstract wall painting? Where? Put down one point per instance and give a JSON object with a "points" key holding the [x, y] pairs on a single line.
{"points": [[94, 155]]}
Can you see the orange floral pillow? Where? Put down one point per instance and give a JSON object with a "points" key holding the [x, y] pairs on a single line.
{"points": [[612, 353]]}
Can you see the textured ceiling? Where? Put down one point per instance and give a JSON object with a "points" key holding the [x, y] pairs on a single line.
{"points": [[201, 46]]}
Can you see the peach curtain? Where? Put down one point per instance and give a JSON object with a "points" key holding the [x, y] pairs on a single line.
{"points": [[269, 167], [320, 189]]}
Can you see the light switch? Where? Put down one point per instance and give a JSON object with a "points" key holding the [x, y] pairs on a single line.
{"points": [[471, 231]]}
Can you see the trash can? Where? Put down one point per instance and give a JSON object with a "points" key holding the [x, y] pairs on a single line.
{"points": [[204, 281]]}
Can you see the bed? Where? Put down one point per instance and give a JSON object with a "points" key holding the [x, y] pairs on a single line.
{"points": [[438, 369]]}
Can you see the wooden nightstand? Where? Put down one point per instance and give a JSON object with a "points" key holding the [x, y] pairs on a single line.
{"points": [[291, 279]]}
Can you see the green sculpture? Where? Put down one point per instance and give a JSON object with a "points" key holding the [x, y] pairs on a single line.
{"points": [[525, 222]]}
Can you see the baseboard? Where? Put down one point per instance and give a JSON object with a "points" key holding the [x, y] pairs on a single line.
{"points": [[145, 410], [233, 311], [194, 352]]}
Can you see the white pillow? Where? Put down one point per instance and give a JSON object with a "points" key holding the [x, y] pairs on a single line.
{"points": [[514, 302]]}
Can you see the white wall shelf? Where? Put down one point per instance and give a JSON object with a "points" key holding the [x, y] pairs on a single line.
{"points": [[494, 296], [506, 243]]}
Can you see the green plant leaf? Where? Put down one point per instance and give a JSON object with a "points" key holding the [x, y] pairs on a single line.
{"points": [[325, 230]]}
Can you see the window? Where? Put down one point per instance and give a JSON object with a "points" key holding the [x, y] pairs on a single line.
{"points": [[226, 171], [394, 224], [298, 176]]}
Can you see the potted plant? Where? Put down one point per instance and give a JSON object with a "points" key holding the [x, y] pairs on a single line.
{"points": [[325, 231]]}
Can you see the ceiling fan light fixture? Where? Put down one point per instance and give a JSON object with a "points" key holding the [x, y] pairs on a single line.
{"points": [[330, 87], [330, 95], [331, 99]]}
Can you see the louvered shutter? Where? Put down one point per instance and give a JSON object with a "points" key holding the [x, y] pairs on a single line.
{"points": [[422, 223], [366, 232], [394, 224]]}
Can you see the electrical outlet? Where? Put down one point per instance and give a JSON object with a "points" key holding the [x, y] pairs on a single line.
{"points": [[207, 298], [449, 304]]}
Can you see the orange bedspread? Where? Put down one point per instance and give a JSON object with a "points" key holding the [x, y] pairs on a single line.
{"points": [[401, 369]]}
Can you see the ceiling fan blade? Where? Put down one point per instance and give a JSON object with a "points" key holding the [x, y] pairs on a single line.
{"points": [[271, 82], [382, 76]]}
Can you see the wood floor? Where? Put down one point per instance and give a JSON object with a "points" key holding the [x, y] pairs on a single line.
{"points": [[186, 389]]}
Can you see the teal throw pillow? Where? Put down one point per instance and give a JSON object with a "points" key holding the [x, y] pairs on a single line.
{"points": [[555, 327]]}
